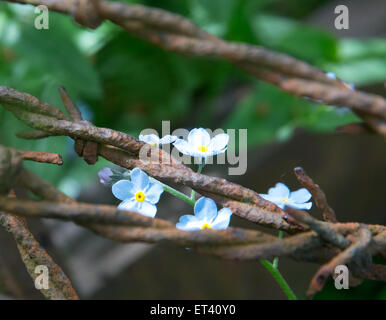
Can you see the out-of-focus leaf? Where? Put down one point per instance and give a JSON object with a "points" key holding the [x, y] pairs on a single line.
{"points": [[147, 84], [361, 62], [142, 79], [269, 114], [239, 25], [212, 15], [292, 37], [51, 55], [356, 48], [360, 72]]}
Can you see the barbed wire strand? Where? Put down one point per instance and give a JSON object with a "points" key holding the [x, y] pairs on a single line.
{"points": [[175, 33], [124, 226], [310, 240]]}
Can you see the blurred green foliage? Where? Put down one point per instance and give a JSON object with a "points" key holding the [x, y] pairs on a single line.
{"points": [[127, 84]]}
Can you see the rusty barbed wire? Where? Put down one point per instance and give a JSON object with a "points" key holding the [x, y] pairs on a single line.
{"points": [[317, 194], [178, 34], [309, 240], [328, 243], [33, 255], [123, 149], [31, 252]]}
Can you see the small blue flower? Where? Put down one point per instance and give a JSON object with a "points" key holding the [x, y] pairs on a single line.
{"points": [[281, 196], [200, 144], [105, 175], [205, 217], [139, 194]]}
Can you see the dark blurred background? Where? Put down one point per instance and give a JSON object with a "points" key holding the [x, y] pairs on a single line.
{"points": [[123, 83]]}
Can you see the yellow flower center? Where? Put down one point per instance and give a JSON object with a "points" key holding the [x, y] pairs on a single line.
{"points": [[285, 200], [152, 144], [140, 196], [206, 226], [202, 149]]}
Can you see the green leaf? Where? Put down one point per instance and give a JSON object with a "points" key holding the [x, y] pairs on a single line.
{"points": [[212, 15], [360, 72], [270, 114], [361, 62], [144, 81], [349, 49], [52, 55], [295, 38]]}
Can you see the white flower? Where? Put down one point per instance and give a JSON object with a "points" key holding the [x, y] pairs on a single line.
{"points": [[200, 144], [205, 217], [139, 194], [154, 140], [281, 196]]}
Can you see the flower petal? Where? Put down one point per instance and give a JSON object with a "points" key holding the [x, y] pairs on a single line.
{"points": [[199, 154], [300, 196], [128, 204], [153, 192], [189, 222], [149, 138], [219, 143], [139, 178], [198, 137], [306, 206], [272, 199], [147, 209], [222, 220], [280, 191], [123, 189], [205, 209], [168, 139], [213, 153], [183, 146], [104, 175], [266, 196]]}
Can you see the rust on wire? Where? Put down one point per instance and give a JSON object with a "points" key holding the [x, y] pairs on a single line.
{"points": [[33, 255], [317, 194], [178, 34], [38, 156], [325, 242]]}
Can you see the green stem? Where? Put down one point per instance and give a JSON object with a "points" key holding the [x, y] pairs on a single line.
{"points": [[276, 259], [178, 194], [279, 279], [175, 192]]}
